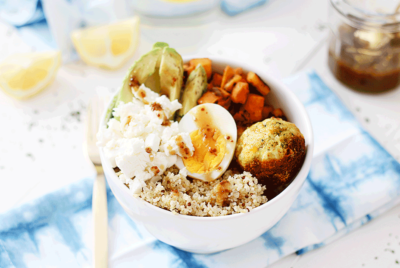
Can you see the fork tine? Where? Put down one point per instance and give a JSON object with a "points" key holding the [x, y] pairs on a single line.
{"points": [[89, 119], [94, 113], [95, 117]]}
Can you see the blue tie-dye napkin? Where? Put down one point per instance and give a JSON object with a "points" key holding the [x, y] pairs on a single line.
{"points": [[352, 180]]}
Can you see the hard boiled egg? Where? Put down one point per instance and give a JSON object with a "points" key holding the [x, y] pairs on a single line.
{"points": [[213, 133]]}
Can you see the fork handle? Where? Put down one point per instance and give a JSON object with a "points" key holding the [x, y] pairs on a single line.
{"points": [[100, 223]]}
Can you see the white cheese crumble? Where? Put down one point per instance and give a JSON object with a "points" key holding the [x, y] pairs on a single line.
{"points": [[144, 142]]}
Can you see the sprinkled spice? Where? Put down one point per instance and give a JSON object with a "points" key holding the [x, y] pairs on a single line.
{"points": [[390, 250], [31, 125], [30, 156], [76, 115]]}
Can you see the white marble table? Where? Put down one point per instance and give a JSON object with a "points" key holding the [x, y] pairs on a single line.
{"points": [[41, 139]]}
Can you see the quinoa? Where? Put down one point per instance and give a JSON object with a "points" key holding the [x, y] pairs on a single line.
{"points": [[230, 194]]}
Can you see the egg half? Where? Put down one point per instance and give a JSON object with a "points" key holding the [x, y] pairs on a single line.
{"points": [[213, 133]]}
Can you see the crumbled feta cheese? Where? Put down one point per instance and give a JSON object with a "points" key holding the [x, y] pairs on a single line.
{"points": [[132, 157], [153, 142], [169, 107], [106, 134], [169, 132], [130, 108], [145, 94], [180, 144], [141, 142]]}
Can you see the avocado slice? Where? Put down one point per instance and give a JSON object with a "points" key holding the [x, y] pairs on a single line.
{"points": [[161, 70], [110, 109], [153, 81], [195, 87], [140, 71], [160, 45], [171, 73]]}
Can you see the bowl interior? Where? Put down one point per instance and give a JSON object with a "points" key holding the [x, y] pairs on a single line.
{"points": [[280, 97]]}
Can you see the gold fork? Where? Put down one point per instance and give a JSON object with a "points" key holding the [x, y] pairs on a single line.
{"points": [[99, 200]]}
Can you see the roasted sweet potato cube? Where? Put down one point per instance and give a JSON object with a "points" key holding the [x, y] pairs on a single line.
{"points": [[208, 97], [216, 80], [220, 92], [239, 116], [253, 79], [224, 98], [277, 112], [240, 130], [228, 86], [205, 62], [226, 103], [240, 92], [266, 111], [228, 74], [239, 71], [254, 105], [209, 86], [188, 68]]}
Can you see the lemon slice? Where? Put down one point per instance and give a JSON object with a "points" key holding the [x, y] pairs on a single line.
{"points": [[108, 46], [24, 75]]}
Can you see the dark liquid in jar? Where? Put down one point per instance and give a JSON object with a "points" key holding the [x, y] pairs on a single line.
{"points": [[365, 61]]}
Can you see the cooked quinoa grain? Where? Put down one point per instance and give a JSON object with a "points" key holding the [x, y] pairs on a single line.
{"points": [[231, 194]]}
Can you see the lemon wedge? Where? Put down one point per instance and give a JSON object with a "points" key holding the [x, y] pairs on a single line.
{"points": [[108, 46], [24, 75]]}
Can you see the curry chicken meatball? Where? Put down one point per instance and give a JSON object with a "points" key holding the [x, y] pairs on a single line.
{"points": [[272, 150]]}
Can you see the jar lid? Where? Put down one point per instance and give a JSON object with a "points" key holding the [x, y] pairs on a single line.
{"points": [[382, 14]]}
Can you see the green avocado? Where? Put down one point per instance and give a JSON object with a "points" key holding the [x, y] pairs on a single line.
{"points": [[110, 108], [160, 45], [153, 81], [195, 87], [161, 70], [171, 73], [140, 71]]}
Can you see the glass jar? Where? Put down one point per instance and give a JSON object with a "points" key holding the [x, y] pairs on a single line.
{"points": [[364, 44]]}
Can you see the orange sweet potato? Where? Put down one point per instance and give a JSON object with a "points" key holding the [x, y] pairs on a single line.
{"points": [[228, 74], [216, 80], [216, 95], [205, 62], [240, 116], [228, 86], [239, 71], [254, 105], [240, 130], [253, 79], [266, 111], [277, 112], [208, 97], [226, 103], [240, 92], [224, 98], [188, 68]]}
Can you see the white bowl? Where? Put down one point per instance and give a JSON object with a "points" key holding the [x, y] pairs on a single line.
{"points": [[213, 234]]}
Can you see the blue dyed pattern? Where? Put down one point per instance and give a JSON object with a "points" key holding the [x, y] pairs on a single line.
{"points": [[352, 180]]}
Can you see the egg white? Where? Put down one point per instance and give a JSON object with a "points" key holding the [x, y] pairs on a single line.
{"points": [[222, 120]]}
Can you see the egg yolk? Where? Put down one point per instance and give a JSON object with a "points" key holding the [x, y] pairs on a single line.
{"points": [[209, 145], [209, 150]]}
